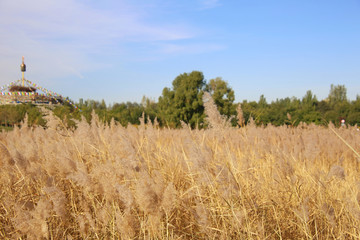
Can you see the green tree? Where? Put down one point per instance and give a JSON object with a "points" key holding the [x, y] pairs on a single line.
{"points": [[339, 106], [35, 117], [249, 110], [337, 94], [126, 113], [150, 107], [354, 114], [307, 112], [309, 100], [323, 106], [262, 101], [183, 101], [67, 114]]}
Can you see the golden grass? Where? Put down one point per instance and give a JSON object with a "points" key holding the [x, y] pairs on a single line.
{"points": [[111, 182]]}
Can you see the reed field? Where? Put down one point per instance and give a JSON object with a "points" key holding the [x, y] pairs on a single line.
{"points": [[102, 181]]}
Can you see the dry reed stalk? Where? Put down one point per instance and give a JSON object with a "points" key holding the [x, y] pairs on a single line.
{"points": [[214, 118], [240, 116], [100, 181]]}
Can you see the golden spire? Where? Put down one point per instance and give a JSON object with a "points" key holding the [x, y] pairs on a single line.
{"points": [[23, 70]]}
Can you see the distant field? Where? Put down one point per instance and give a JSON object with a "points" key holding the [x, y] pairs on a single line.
{"points": [[111, 182]]}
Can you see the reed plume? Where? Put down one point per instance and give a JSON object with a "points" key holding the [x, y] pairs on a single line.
{"points": [[102, 181]]}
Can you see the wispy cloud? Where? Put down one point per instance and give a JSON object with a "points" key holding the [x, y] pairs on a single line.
{"points": [[182, 49], [60, 35], [205, 4], [82, 43], [71, 19]]}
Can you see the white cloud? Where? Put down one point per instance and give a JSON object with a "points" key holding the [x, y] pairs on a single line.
{"points": [[59, 36], [70, 19], [75, 42]]}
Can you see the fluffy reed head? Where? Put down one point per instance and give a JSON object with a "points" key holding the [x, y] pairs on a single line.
{"points": [[112, 182]]}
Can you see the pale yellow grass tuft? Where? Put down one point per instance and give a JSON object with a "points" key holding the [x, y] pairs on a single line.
{"points": [[112, 182]]}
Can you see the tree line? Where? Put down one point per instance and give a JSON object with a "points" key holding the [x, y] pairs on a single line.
{"points": [[183, 102]]}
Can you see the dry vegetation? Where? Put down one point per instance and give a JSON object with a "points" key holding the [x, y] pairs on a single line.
{"points": [[17, 88], [111, 182]]}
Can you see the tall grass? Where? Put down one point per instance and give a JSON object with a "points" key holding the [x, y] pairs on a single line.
{"points": [[109, 182]]}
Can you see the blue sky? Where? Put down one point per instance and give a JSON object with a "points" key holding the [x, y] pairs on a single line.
{"points": [[121, 50]]}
